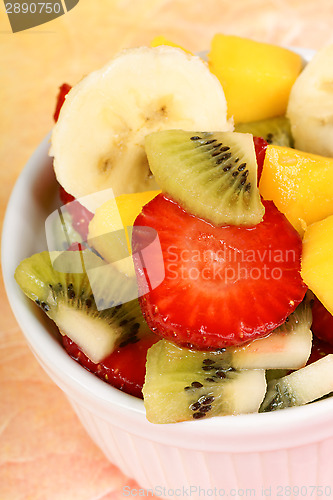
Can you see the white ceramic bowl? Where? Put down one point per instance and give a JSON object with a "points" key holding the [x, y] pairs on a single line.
{"points": [[257, 455]]}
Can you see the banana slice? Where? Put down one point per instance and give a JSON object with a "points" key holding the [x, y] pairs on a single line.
{"points": [[98, 141], [310, 107]]}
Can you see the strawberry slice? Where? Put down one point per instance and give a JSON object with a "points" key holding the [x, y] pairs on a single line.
{"points": [[223, 285], [322, 323], [260, 146], [319, 350], [64, 196], [80, 215], [124, 369], [63, 91]]}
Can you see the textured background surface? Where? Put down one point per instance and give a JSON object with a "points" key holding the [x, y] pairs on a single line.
{"points": [[44, 452]]}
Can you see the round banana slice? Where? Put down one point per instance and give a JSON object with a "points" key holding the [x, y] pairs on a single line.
{"points": [[98, 141], [310, 107]]}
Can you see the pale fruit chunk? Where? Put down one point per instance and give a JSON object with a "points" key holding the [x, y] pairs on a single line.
{"points": [[310, 107], [299, 183], [287, 347], [317, 260], [110, 228], [256, 77], [300, 387], [98, 140]]}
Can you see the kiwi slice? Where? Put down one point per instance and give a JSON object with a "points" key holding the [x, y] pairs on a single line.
{"points": [[87, 299], [300, 387], [274, 130], [212, 175], [288, 347], [183, 384]]}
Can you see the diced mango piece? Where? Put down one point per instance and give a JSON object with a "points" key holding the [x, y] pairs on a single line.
{"points": [[108, 229], [317, 260], [256, 77], [300, 184], [130, 205], [161, 40]]}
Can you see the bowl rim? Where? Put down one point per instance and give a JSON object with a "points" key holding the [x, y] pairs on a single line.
{"points": [[48, 350]]}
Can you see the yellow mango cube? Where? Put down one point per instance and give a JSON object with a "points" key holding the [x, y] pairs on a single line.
{"points": [[256, 77], [108, 229], [317, 260], [161, 40], [299, 183]]}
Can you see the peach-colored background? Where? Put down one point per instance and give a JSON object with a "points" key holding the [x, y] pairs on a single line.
{"points": [[44, 452]]}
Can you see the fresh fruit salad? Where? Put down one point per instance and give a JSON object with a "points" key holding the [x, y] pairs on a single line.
{"points": [[190, 262]]}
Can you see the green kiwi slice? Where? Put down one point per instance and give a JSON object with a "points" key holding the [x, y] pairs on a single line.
{"points": [[288, 347], [183, 384], [274, 130], [87, 299], [212, 175], [301, 386]]}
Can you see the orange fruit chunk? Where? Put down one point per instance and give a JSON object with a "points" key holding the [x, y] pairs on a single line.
{"points": [[317, 260], [300, 184], [256, 77]]}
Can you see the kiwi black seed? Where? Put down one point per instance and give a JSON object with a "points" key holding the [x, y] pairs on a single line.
{"points": [[96, 317], [213, 175], [274, 130], [177, 387]]}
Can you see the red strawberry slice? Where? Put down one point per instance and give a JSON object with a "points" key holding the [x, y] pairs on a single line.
{"points": [[63, 91], [223, 285], [319, 350], [81, 216], [322, 323], [260, 146], [64, 196], [76, 247], [124, 369]]}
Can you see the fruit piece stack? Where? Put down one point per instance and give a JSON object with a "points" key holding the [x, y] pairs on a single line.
{"points": [[187, 281]]}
